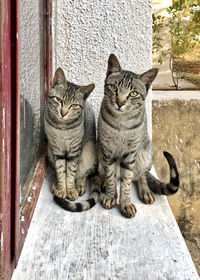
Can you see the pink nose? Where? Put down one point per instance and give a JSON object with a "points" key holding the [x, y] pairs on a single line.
{"points": [[63, 112], [120, 102]]}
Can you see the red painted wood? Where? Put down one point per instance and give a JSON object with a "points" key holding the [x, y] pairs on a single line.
{"points": [[15, 130], [5, 139], [28, 207]]}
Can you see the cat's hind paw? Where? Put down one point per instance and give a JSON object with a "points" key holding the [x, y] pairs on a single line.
{"points": [[108, 201], [147, 196], [81, 186], [128, 209]]}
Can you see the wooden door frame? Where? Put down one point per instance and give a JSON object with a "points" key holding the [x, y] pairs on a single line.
{"points": [[13, 228], [6, 207]]}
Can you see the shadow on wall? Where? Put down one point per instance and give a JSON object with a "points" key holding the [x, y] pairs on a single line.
{"points": [[176, 129], [27, 146]]}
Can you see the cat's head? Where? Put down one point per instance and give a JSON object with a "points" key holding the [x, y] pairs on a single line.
{"points": [[66, 100], [125, 90]]}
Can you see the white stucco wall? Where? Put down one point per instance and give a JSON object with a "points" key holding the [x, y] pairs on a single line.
{"points": [[86, 32], [31, 88], [29, 58]]}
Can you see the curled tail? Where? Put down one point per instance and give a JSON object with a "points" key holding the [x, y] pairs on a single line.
{"points": [[165, 188], [83, 205]]}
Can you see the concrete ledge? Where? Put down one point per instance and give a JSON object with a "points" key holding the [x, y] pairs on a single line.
{"points": [[175, 94], [101, 244]]}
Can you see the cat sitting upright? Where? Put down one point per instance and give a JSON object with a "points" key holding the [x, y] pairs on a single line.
{"points": [[124, 147], [70, 128]]}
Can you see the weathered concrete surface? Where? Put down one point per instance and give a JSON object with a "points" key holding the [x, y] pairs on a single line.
{"points": [[176, 94], [176, 129], [103, 245]]}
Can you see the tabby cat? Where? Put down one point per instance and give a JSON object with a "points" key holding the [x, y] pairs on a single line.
{"points": [[124, 147], [70, 128]]}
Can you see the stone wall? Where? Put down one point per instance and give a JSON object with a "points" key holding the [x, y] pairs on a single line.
{"points": [[176, 129]]}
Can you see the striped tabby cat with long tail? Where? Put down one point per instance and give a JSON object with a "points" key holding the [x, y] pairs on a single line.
{"points": [[124, 148], [70, 128]]}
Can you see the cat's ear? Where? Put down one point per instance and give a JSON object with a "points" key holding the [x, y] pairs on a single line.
{"points": [[59, 77], [113, 65], [86, 90], [148, 77]]}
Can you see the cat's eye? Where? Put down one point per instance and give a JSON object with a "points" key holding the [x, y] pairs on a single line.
{"points": [[133, 93], [58, 99], [74, 105], [113, 88]]}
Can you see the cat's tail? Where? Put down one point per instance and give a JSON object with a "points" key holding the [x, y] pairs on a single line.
{"points": [[165, 188], [83, 205]]}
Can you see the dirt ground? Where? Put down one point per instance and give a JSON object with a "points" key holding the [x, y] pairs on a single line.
{"points": [[189, 67], [176, 129]]}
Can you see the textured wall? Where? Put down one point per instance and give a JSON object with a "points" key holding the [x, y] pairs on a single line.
{"points": [[29, 31], [86, 32]]}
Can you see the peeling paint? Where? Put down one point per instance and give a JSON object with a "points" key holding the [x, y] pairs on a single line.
{"points": [[3, 145], [4, 120], [2, 241], [22, 219]]}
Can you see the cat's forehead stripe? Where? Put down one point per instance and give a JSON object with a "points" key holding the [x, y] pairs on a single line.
{"points": [[127, 80]]}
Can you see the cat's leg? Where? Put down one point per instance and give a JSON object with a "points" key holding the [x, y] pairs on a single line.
{"points": [[143, 165], [127, 208], [59, 188], [58, 161], [87, 165], [108, 198], [143, 190], [72, 164]]}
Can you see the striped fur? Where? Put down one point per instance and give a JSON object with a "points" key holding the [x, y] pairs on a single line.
{"points": [[70, 128], [124, 148]]}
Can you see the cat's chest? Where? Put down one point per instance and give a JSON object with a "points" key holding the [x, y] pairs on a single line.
{"points": [[121, 141], [64, 139]]}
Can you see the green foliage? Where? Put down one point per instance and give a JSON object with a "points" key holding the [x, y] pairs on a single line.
{"points": [[158, 24], [183, 24]]}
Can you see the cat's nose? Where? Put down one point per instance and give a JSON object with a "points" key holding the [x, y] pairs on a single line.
{"points": [[120, 102], [63, 112]]}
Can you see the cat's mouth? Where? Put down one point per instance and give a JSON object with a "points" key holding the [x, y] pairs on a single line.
{"points": [[119, 109], [63, 118]]}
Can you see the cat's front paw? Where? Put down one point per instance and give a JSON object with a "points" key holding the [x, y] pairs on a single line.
{"points": [[72, 194], [108, 201], [128, 209], [60, 192], [147, 196]]}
